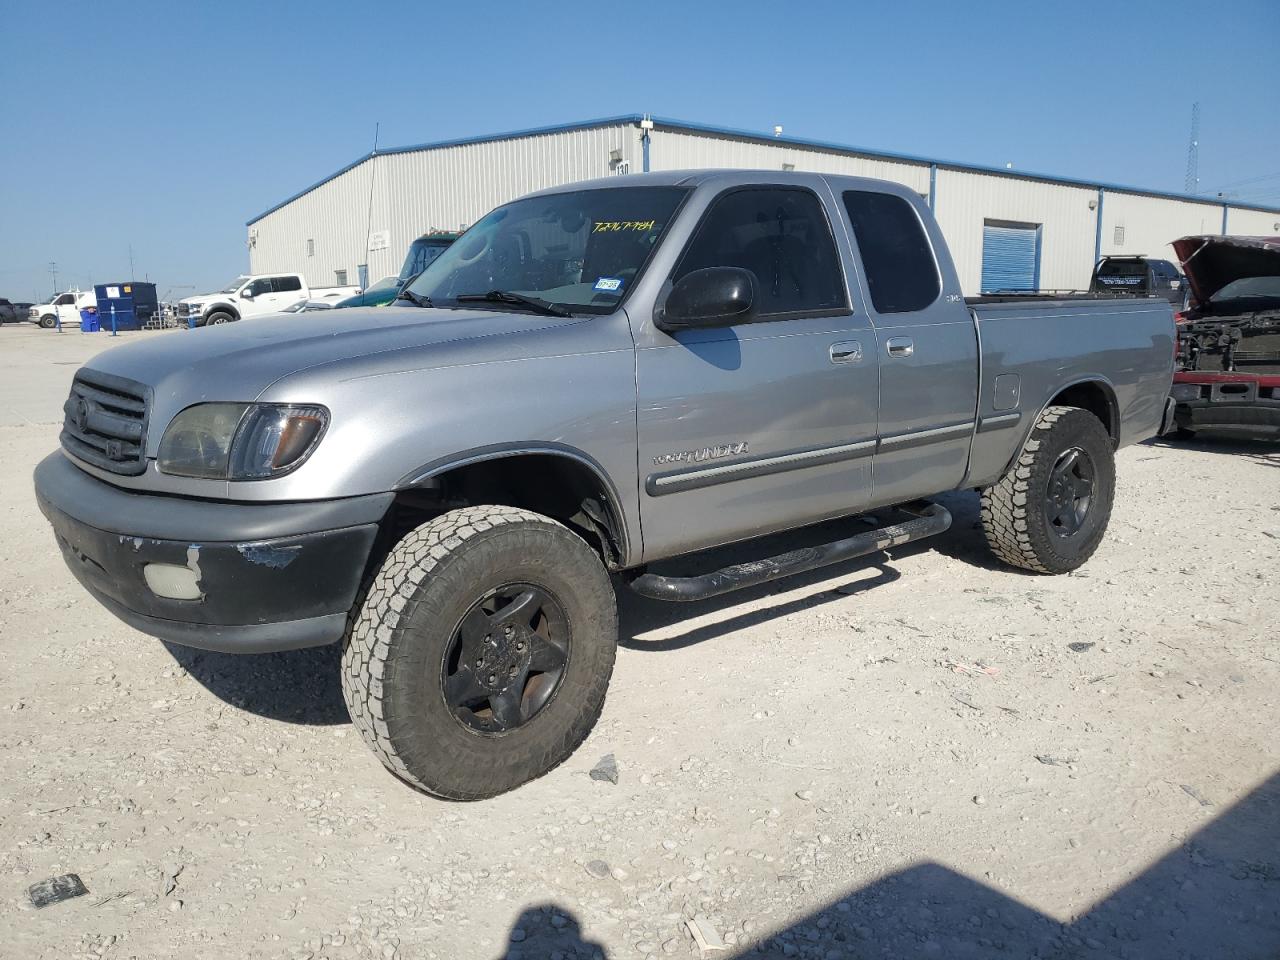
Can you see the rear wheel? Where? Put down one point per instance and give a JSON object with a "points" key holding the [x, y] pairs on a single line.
{"points": [[1050, 511], [480, 656]]}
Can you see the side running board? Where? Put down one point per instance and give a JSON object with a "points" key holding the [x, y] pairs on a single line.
{"points": [[930, 519]]}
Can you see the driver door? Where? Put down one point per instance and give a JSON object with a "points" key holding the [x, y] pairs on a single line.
{"points": [[764, 425]]}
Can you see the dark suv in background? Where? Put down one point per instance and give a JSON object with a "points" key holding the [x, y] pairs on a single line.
{"points": [[1139, 276], [13, 312]]}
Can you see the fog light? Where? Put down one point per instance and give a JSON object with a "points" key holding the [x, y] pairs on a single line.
{"points": [[172, 581]]}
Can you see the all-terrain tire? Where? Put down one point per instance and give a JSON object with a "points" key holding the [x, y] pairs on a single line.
{"points": [[397, 649], [48, 321], [218, 317], [1015, 517]]}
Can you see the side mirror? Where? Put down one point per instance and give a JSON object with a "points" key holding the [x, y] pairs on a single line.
{"points": [[711, 297], [247, 293]]}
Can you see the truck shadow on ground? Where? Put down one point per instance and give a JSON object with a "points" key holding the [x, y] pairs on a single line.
{"points": [[297, 686], [303, 686], [1263, 450], [1215, 896], [639, 616]]}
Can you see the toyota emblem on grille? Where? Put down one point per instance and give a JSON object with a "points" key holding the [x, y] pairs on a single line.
{"points": [[82, 414]]}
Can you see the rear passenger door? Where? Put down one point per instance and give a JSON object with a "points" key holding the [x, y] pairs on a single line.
{"points": [[927, 347], [767, 424]]}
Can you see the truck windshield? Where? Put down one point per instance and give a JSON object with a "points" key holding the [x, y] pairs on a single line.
{"points": [[581, 251], [234, 285], [422, 253]]}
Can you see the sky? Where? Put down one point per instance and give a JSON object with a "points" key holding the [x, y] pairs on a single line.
{"points": [[160, 128]]}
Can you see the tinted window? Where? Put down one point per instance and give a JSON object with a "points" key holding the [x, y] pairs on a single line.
{"points": [[896, 256], [65, 299], [259, 287], [780, 235], [287, 284]]}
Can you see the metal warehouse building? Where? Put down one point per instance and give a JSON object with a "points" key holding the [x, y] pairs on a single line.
{"points": [[1006, 229]]}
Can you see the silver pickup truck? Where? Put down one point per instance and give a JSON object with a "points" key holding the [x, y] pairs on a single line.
{"points": [[593, 378]]}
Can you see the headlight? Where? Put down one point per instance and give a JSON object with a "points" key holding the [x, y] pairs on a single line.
{"points": [[240, 441]]}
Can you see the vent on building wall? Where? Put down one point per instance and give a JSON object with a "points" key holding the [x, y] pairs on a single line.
{"points": [[1117, 238], [311, 248], [340, 278]]}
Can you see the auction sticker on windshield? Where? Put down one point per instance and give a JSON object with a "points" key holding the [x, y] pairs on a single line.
{"points": [[608, 284]]}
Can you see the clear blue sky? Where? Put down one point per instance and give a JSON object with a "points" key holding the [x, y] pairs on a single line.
{"points": [[167, 125]]}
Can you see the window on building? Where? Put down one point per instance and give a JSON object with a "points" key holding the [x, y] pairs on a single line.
{"points": [[896, 257], [340, 278], [780, 235], [287, 284], [1117, 237], [311, 248]]}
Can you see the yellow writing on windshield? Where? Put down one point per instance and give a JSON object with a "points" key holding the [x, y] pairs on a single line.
{"points": [[606, 226]]}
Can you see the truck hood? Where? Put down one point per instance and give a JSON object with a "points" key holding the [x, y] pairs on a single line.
{"points": [[238, 361], [1211, 262]]}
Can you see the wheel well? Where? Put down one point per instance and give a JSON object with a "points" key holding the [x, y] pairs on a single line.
{"points": [[554, 485], [1096, 397]]}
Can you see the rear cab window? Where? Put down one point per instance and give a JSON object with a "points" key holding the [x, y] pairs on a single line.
{"points": [[287, 284], [897, 259], [782, 236]]}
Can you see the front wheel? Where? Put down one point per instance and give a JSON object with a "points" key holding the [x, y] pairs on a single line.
{"points": [[48, 321], [218, 317], [480, 656], [1049, 512]]}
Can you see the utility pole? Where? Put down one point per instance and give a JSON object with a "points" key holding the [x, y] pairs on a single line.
{"points": [[53, 268], [1192, 184], [131, 276]]}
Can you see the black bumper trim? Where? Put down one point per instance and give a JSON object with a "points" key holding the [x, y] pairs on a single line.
{"points": [[89, 500], [258, 593], [1195, 414], [222, 638]]}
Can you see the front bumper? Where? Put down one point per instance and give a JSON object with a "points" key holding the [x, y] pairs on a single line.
{"points": [[1226, 403], [271, 576]]}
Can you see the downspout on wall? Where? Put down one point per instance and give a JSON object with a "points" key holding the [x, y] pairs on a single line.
{"points": [[1097, 233]]}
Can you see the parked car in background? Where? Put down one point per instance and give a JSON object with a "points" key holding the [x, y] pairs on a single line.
{"points": [[11, 312], [1228, 367], [669, 362], [254, 295], [64, 307], [423, 252], [1138, 276], [375, 295], [308, 306]]}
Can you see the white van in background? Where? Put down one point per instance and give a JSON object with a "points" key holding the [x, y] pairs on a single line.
{"points": [[65, 307]]}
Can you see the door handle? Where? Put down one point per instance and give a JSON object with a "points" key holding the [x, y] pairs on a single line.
{"points": [[899, 347], [850, 351]]}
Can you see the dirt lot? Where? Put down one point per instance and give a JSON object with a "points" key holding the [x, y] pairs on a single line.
{"points": [[920, 755]]}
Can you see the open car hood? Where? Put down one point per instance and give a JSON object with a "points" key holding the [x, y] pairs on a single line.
{"points": [[1212, 262]]}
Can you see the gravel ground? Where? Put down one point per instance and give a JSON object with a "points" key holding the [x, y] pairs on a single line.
{"points": [[918, 755]]}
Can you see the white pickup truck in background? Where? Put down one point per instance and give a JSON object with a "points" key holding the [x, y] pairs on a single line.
{"points": [[64, 307], [251, 296]]}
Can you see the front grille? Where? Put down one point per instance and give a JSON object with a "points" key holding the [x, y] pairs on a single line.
{"points": [[184, 309], [105, 422]]}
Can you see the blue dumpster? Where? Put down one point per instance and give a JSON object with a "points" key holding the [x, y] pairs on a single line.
{"points": [[135, 303], [89, 320]]}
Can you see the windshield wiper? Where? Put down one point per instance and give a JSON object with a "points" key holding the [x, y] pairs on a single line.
{"points": [[417, 299], [515, 300]]}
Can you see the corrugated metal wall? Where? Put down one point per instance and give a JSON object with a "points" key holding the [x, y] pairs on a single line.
{"points": [[677, 150], [415, 192], [966, 200], [446, 187], [1134, 225]]}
